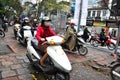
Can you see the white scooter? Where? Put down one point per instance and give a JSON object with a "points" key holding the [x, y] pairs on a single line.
{"points": [[27, 31], [57, 63]]}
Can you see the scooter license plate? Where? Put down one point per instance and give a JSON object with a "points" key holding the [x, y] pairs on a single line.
{"points": [[27, 33]]}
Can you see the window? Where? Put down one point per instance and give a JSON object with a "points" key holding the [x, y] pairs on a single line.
{"points": [[104, 12], [93, 14], [98, 13], [89, 12]]}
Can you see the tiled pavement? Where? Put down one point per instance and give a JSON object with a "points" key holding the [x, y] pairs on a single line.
{"points": [[15, 66]]}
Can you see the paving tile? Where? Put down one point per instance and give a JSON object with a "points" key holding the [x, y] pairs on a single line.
{"points": [[3, 68], [9, 73], [102, 63], [25, 77], [7, 63], [11, 78], [16, 66], [18, 61], [23, 71]]}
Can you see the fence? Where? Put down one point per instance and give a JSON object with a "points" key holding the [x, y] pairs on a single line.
{"points": [[59, 21]]}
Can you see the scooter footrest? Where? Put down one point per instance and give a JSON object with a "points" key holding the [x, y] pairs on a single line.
{"points": [[45, 69]]}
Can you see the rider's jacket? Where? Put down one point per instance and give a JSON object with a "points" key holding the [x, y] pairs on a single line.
{"points": [[43, 32]]}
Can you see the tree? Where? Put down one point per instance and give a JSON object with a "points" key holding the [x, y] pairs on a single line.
{"points": [[51, 6], [10, 6]]}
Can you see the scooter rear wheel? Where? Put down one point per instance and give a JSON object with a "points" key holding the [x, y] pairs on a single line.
{"points": [[82, 50]]}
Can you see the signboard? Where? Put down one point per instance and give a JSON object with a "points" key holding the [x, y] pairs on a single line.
{"points": [[99, 24], [83, 13], [89, 23], [111, 24]]}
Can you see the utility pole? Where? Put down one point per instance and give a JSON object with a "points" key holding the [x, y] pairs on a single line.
{"points": [[80, 12]]}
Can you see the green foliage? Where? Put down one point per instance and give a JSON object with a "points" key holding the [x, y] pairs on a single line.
{"points": [[12, 5], [50, 5]]}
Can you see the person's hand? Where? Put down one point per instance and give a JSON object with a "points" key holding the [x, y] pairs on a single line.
{"points": [[42, 39], [45, 42]]}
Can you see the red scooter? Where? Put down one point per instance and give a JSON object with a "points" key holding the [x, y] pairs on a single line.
{"points": [[109, 43]]}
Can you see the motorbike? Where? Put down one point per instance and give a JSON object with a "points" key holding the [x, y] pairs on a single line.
{"points": [[57, 63], [27, 32], [115, 69], [15, 29], [109, 43], [2, 33], [80, 47]]}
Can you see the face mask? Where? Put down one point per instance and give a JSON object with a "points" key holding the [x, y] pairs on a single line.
{"points": [[47, 23]]}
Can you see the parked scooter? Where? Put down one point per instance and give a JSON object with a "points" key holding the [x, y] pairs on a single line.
{"points": [[15, 29], [57, 63], [27, 32]]}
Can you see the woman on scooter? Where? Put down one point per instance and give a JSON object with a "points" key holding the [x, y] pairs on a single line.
{"points": [[43, 31]]}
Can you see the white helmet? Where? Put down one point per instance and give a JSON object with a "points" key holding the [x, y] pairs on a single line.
{"points": [[26, 19]]}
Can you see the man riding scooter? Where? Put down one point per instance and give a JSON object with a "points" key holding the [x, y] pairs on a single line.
{"points": [[43, 31], [70, 36], [103, 37], [26, 22]]}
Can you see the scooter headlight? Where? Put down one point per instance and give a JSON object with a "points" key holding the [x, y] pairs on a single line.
{"points": [[52, 42], [63, 41]]}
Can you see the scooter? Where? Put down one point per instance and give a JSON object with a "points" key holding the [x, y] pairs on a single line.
{"points": [[79, 47], [57, 63], [15, 29], [27, 32], [109, 43]]}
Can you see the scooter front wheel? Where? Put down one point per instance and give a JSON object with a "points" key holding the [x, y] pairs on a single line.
{"points": [[62, 76], [115, 72], [82, 50], [111, 46]]}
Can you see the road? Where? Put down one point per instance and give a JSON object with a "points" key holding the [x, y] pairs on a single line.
{"points": [[15, 66]]}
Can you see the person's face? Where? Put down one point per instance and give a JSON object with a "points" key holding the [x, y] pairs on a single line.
{"points": [[47, 23], [72, 25]]}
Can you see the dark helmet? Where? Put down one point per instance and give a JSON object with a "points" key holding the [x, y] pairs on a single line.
{"points": [[102, 29]]}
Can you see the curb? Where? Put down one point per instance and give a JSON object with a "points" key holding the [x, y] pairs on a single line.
{"points": [[11, 48]]}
